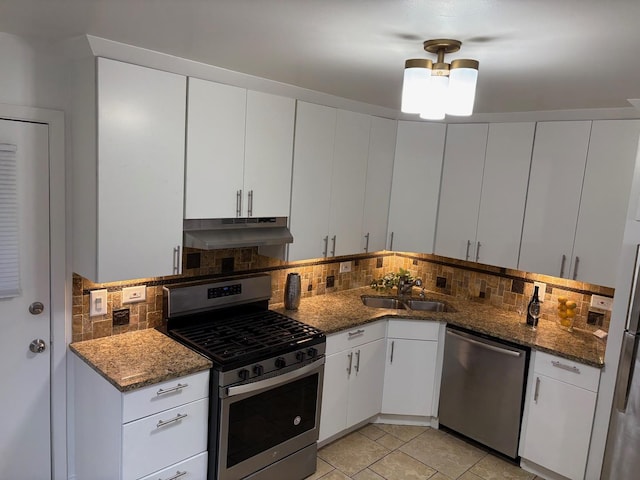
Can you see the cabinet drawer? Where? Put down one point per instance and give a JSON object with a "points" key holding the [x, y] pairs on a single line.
{"points": [[414, 329], [154, 442], [162, 396], [356, 336], [568, 371], [194, 468]]}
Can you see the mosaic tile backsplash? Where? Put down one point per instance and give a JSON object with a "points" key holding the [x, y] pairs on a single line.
{"points": [[503, 288]]}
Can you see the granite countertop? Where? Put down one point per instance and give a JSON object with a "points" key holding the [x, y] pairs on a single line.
{"points": [[343, 310], [136, 359]]}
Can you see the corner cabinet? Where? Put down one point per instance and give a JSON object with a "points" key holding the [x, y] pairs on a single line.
{"points": [[561, 399], [128, 170], [415, 187], [327, 198], [239, 152], [352, 390], [155, 432], [483, 192]]}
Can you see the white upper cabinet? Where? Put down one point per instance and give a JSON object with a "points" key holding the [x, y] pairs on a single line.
{"points": [[329, 175], [460, 190], [605, 196], [239, 152], [128, 152], [415, 186], [553, 201], [382, 146], [483, 192]]}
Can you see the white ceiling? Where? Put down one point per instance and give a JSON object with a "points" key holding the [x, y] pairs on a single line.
{"points": [[534, 54]]}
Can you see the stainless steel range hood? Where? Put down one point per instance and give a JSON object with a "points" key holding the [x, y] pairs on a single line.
{"points": [[211, 234]]}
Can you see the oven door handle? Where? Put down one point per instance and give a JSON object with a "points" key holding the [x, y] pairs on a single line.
{"points": [[274, 381]]}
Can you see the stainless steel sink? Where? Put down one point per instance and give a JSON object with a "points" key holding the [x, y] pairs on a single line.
{"points": [[409, 303]]}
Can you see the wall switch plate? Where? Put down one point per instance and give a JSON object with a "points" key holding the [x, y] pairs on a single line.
{"points": [[542, 288], [134, 294], [604, 303], [98, 302], [345, 267]]}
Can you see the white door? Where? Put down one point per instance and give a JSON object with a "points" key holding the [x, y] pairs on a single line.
{"points": [[25, 449]]}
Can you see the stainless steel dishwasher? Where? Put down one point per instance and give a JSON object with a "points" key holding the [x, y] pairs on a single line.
{"points": [[482, 392]]}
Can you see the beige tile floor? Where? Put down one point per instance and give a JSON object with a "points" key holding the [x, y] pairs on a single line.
{"points": [[399, 452]]}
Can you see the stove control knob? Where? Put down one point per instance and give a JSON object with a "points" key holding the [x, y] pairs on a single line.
{"points": [[258, 370], [281, 362], [300, 356], [243, 374], [312, 352]]}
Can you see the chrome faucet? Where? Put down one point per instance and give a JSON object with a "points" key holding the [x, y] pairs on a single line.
{"points": [[405, 286]]}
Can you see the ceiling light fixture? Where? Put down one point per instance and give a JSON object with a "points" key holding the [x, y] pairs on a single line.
{"points": [[435, 89]]}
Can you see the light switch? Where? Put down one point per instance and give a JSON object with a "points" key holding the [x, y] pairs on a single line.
{"points": [[134, 294], [98, 302]]}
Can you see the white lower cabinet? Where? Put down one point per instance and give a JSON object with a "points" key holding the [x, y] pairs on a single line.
{"points": [[158, 432], [411, 368], [352, 390], [558, 416]]}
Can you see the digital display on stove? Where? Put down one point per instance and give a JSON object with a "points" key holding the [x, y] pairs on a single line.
{"points": [[225, 291]]}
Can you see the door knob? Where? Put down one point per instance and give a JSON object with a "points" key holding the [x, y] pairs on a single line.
{"points": [[38, 346], [36, 308]]}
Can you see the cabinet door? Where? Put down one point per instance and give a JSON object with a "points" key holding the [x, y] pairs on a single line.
{"points": [[141, 121], [348, 182], [215, 150], [555, 184], [382, 146], [335, 391], [416, 185], [311, 190], [366, 382], [268, 154], [605, 195], [567, 411], [460, 190], [504, 193], [409, 377]]}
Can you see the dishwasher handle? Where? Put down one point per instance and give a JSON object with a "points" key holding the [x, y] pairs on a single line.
{"points": [[468, 338]]}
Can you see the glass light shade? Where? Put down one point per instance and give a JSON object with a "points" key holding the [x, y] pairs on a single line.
{"points": [[463, 77], [436, 100], [416, 80]]}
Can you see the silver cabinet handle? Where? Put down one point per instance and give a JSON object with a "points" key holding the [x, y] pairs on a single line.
{"points": [[466, 257], [176, 260], [176, 476], [238, 203], [250, 206], [391, 242], [564, 259], [326, 246], [333, 249], [366, 245], [535, 393], [393, 343], [178, 387], [563, 366], [177, 418], [357, 361], [357, 332], [350, 363], [575, 268], [478, 252]]}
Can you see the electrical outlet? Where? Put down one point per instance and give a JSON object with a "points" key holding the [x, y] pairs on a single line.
{"points": [[604, 303], [98, 302], [441, 282], [542, 288], [331, 281], [121, 317], [345, 267], [134, 294]]}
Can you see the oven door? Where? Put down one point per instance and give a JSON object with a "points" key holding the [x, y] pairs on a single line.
{"points": [[265, 421]]}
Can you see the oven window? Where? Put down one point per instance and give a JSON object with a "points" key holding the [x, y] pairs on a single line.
{"points": [[263, 421]]}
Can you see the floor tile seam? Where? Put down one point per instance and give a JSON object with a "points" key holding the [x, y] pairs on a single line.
{"points": [[424, 463], [486, 454]]}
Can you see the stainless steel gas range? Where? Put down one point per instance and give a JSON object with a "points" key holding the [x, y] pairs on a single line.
{"points": [[266, 382]]}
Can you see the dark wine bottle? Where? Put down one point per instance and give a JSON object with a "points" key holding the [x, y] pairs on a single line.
{"points": [[533, 309]]}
